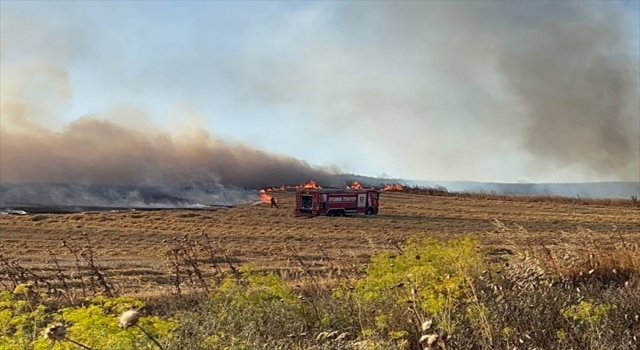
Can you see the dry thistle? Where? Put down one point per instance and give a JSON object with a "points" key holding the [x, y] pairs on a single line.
{"points": [[429, 339], [342, 336], [426, 325], [432, 339], [56, 332], [129, 318]]}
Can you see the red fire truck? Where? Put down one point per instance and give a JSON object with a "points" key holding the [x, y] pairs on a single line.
{"points": [[336, 202]]}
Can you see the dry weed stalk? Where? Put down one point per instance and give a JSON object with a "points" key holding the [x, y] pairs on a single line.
{"points": [[58, 332], [62, 279], [308, 299], [186, 257], [17, 275], [98, 279], [60, 286]]}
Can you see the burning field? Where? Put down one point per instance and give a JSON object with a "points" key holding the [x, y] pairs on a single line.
{"points": [[129, 238], [171, 258], [130, 243], [126, 222], [266, 198]]}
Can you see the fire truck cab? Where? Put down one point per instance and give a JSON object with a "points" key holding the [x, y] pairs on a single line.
{"points": [[336, 202]]}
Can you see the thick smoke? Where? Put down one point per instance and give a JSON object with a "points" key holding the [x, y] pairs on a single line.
{"points": [[96, 151], [436, 89], [91, 154], [454, 88], [95, 161]]}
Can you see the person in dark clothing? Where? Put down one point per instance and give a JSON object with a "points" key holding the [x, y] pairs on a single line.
{"points": [[273, 203]]}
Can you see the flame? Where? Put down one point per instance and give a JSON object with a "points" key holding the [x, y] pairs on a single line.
{"points": [[310, 184], [355, 186], [393, 187], [264, 196]]}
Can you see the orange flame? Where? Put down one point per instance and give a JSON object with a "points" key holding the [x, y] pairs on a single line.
{"points": [[355, 186], [264, 196], [393, 187], [310, 184]]}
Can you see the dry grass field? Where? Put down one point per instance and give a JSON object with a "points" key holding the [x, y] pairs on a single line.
{"points": [[133, 246], [484, 272]]}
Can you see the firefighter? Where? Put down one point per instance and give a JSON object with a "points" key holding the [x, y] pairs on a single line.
{"points": [[273, 203]]}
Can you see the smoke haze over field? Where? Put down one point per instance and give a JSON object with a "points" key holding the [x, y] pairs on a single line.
{"points": [[143, 169], [175, 171], [97, 161], [430, 90], [97, 151], [459, 85], [122, 146]]}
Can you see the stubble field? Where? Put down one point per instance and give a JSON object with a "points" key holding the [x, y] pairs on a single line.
{"points": [[434, 270], [134, 247]]}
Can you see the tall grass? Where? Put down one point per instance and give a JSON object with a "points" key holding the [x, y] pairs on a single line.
{"points": [[422, 294]]}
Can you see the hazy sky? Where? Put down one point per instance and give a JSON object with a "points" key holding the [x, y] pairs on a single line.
{"points": [[424, 91]]}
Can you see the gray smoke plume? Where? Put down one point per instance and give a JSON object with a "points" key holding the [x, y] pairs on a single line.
{"points": [[437, 89], [455, 87], [91, 150], [96, 162]]}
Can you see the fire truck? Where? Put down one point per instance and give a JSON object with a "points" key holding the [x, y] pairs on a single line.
{"points": [[336, 202]]}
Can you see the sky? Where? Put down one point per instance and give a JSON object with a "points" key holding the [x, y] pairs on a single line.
{"points": [[428, 91]]}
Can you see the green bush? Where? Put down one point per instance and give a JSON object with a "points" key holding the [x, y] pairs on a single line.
{"points": [[247, 310], [428, 282], [94, 325], [428, 294]]}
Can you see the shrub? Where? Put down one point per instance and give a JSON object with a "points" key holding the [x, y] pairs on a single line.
{"points": [[33, 325], [427, 294], [247, 310], [433, 278]]}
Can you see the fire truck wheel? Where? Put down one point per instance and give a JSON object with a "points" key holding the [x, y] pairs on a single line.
{"points": [[370, 211]]}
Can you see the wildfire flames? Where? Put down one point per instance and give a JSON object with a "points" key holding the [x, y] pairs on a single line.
{"points": [[355, 186], [264, 197], [310, 184], [393, 187]]}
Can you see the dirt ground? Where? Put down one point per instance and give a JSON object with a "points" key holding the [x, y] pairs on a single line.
{"points": [[133, 245]]}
